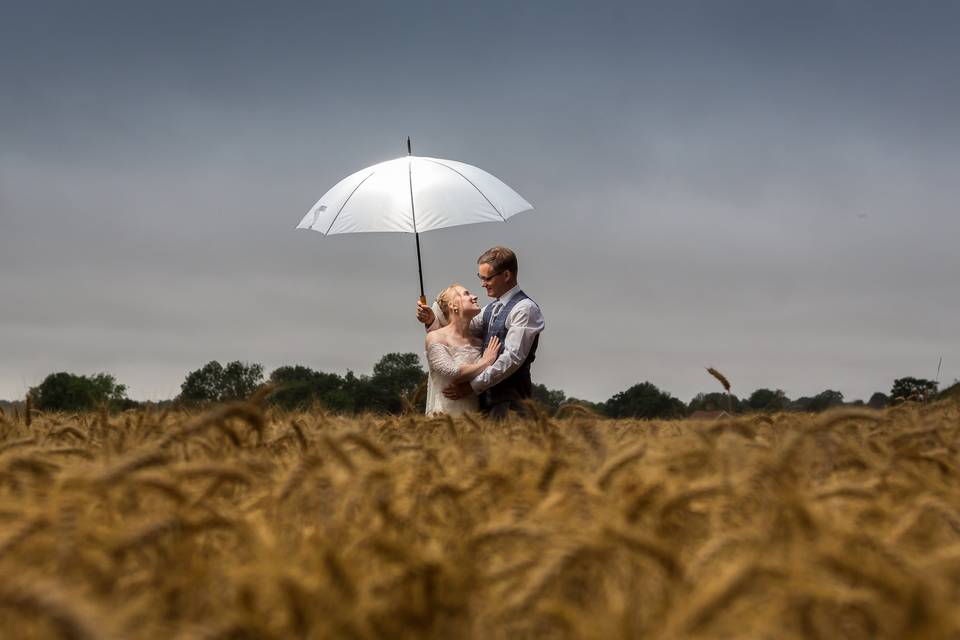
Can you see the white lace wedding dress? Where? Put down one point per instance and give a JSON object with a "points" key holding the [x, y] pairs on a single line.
{"points": [[444, 363]]}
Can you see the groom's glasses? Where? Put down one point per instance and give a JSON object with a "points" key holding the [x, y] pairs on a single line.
{"points": [[488, 278]]}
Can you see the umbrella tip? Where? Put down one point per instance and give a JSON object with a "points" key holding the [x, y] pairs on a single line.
{"points": [[409, 152]]}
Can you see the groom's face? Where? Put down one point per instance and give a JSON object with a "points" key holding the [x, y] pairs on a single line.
{"points": [[495, 282]]}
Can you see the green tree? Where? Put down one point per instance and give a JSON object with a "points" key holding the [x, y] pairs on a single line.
{"points": [[395, 376], [340, 393], [105, 388], [202, 385], [240, 380], [826, 400], [551, 399], [644, 400], [215, 383], [768, 400], [713, 401], [820, 402], [344, 398], [878, 400], [299, 387], [70, 392], [910, 387]]}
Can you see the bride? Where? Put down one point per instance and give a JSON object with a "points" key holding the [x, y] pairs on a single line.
{"points": [[453, 354]]}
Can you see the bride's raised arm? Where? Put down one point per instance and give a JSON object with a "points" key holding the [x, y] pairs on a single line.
{"points": [[430, 316]]}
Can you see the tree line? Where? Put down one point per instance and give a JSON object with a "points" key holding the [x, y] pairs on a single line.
{"points": [[397, 384], [645, 400]]}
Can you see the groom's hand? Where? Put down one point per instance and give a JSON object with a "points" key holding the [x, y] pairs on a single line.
{"points": [[424, 314], [457, 391]]}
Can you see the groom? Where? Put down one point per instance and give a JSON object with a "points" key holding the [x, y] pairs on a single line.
{"points": [[516, 320]]}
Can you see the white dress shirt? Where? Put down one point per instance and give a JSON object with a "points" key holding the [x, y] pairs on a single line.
{"points": [[524, 324]]}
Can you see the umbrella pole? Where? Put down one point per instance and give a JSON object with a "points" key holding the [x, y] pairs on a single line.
{"points": [[423, 298], [416, 234]]}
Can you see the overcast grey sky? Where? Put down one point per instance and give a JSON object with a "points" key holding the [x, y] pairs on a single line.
{"points": [[769, 188]]}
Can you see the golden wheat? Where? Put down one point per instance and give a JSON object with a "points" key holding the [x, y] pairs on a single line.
{"points": [[246, 522]]}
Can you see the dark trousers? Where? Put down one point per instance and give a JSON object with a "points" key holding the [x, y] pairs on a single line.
{"points": [[500, 410], [507, 396]]}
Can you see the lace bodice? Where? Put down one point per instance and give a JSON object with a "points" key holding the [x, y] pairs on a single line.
{"points": [[444, 362]]}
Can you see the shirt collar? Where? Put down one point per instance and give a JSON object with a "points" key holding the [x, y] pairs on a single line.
{"points": [[505, 298]]}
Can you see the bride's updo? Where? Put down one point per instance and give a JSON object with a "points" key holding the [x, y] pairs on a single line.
{"points": [[446, 297]]}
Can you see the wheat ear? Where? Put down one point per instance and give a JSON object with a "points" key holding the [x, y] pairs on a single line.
{"points": [[726, 386]]}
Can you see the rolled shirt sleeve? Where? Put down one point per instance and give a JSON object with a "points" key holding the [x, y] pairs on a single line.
{"points": [[523, 325]]}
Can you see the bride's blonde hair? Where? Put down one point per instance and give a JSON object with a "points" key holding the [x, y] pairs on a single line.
{"points": [[445, 297]]}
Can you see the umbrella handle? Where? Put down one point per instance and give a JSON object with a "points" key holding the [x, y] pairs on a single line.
{"points": [[423, 300]]}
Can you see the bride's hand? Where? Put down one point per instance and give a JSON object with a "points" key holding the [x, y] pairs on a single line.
{"points": [[492, 351]]}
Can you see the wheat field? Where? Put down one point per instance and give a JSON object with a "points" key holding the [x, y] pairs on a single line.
{"points": [[241, 522]]}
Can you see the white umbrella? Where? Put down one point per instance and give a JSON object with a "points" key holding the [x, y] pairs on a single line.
{"points": [[413, 194]]}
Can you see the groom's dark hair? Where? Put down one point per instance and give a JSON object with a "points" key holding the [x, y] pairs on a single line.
{"points": [[500, 258]]}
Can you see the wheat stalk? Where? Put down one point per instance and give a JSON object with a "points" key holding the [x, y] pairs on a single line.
{"points": [[726, 386], [70, 616], [418, 527]]}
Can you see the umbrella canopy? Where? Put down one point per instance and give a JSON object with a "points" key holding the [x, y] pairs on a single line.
{"points": [[413, 194]]}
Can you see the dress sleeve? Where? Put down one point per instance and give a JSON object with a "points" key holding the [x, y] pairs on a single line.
{"points": [[441, 362]]}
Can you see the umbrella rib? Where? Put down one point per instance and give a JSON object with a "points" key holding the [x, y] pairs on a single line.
{"points": [[346, 201], [471, 184]]}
